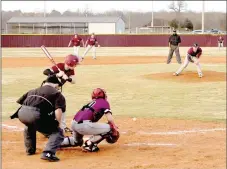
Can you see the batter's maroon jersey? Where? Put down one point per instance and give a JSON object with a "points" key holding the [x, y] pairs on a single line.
{"points": [[76, 41], [61, 66], [93, 111], [91, 41], [195, 54], [220, 39]]}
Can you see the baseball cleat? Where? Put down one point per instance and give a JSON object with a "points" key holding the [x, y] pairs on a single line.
{"points": [[175, 74], [49, 156], [90, 148], [200, 75]]}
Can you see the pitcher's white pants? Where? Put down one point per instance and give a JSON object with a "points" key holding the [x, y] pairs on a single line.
{"points": [[86, 128], [186, 62], [89, 47]]}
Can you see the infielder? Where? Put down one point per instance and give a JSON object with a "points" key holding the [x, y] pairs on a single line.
{"points": [[174, 44], [193, 55], [41, 110], [68, 74], [85, 123], [220, 42], [76, 41], [90, 44]]}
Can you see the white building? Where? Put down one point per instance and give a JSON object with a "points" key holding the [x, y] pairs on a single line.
{"points": [[66, 25]]}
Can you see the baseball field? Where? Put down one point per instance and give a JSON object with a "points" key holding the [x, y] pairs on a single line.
{"points": [[179, 121]]}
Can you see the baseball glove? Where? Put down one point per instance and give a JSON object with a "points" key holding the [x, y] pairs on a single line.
{"points": [[112, 138], [190, 58]]}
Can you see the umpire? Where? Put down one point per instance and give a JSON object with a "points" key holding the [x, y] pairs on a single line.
{"points": [[174, 43], [41, 110]]}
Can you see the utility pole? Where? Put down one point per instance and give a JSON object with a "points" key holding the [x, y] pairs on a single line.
{"points": [[203, 16], [152, 16]]}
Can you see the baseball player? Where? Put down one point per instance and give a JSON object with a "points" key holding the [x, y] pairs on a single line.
{"points": [[84, 123], [174, 44], [76, 41], [67, 73], [90, 44], [41, 110], [193, 55], [220, 42]]}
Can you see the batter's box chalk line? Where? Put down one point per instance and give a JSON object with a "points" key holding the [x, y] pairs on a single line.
{"points": [[151, 144], [177, 132]]}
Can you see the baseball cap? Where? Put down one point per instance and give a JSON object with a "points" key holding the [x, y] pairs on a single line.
{"points": [[195, 45]]}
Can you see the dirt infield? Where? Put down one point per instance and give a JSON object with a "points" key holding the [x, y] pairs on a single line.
{"points": [[189, 77], [144, 143], [42, 61]]}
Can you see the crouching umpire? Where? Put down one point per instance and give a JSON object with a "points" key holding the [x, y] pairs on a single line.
{"points": [[41, 110]]}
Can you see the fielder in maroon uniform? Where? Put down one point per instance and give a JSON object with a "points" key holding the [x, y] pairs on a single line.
{"points": [[85, 123], [91, 44], [193, 55], [220, 42], [76, 42]]}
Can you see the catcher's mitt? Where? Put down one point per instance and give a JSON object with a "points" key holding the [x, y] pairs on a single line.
{"points": [[113, 138]]}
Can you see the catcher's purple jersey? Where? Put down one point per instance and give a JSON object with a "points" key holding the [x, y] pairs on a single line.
{"points": [[93, 111]]}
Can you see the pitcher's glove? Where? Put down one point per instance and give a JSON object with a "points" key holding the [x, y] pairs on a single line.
{"points": [[190, 58]]}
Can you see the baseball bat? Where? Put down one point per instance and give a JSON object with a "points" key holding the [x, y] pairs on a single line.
{"points": [[52, 59], [49, 56]]}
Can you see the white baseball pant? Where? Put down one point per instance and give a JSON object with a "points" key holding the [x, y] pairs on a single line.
{"points": [[86, 128], [220, 45], [93, 51], [76, 50], [186, 62]]}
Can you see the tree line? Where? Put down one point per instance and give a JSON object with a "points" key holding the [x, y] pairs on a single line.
{"points": [[178, 17]]}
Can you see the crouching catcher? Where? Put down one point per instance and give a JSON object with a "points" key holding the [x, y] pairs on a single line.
{"points": [[85, 123]]}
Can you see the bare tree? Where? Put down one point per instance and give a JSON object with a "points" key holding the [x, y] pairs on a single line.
{"points": [[178, 7]]}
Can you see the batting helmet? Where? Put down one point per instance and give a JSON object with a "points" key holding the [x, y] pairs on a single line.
{"points": [[98, 93], [71, 60]]}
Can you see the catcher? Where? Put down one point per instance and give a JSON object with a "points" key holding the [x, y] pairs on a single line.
{"points": [[193, 56], [67, 73], [84, 123]]}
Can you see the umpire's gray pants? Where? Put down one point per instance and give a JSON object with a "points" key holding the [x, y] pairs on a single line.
{"points": [[30, 116], [177, 52]]}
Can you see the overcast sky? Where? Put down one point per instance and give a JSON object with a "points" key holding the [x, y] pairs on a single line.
{"points": [[102, 6]]}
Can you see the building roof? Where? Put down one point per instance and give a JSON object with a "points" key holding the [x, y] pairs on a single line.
{"points": [[63, 19]]}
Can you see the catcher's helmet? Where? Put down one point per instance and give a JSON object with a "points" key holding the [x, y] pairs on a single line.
{"points": [[98, 93], [71, 60]]}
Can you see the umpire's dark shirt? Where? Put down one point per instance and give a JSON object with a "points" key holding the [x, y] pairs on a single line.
{"points": [[174, 39], [38, 98]]}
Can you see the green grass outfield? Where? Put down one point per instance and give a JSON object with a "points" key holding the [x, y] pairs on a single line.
{"points": [[129, 93]]}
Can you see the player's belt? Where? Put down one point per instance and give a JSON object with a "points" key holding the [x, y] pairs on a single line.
{"points": [[82, 121]]}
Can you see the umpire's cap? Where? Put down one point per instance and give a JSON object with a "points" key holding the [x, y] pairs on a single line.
{"points": [[53, 79]]}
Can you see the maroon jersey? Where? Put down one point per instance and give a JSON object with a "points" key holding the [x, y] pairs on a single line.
{"points": [[91, 41], [93, 111], [61, 66], [195, 54], [220, 39], [76, 41]]}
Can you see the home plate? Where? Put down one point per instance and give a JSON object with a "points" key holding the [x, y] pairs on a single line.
{"points": [[151, 144]]}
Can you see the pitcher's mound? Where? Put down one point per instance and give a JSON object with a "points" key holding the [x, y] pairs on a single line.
{"points": [[188, 76]]}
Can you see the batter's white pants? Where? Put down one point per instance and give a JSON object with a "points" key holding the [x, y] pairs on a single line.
{"points": [[185, 64], [86, 128], [76, 50], [89, 47]]}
